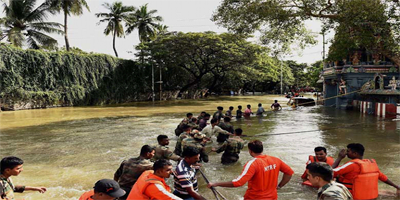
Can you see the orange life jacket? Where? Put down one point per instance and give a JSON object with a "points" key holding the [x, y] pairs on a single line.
{"points": [[329, 161], [365, 185], [141, 184]]}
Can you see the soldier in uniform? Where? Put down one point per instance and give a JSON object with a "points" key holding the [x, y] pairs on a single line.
{"points": [[218, 114], [213, 129], [130, 170], [320, 175], [198, 141], [179, 129], [231, 148], [193, 123], [201, 116], [162, 150], [227, 126], [178, 147]]}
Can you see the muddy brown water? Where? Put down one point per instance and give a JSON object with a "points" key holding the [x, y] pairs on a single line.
{"points": [[68, 149]]}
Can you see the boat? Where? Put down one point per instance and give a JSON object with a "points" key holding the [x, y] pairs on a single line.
{"points": [[301, 101]]}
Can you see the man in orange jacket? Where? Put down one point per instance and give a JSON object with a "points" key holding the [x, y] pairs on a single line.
{"points": [[151, 184], [360, 175], [320, 156], [104, 189], [262, 174]]}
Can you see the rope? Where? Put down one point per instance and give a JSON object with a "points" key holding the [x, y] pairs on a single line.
{"points": [[215, 191]]}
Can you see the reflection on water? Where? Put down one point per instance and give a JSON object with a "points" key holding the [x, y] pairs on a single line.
{"points": [[68, 149]]}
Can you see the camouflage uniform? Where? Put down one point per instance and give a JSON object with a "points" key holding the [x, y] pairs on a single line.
{"points": [[178, 129], [194, 125], [7, 188], [218, 115], [231, 148], [130, 170], [163, 152], [227, 127], [334, 191], [197, 144], [178, 146]]}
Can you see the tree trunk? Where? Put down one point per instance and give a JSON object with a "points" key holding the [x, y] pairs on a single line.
{"points": [[115, 50], [187, 86], [395, 59], [65, 30]]}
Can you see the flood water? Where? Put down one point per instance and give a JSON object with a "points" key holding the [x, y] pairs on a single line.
{"points": [[68, 149]]}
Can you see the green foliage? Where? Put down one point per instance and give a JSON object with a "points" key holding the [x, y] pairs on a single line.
{"points": [[202, 59], [371, 25], [24, 24], [68, 78], [146, 23]]}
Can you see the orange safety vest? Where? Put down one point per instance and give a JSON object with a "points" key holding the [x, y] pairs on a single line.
{"points": [[329, 161], [365, 185], [141, 184]]}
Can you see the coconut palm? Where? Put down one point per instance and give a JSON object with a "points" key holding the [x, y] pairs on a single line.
{"points": [[118, 13], [146, 23], [68, 7], [25, 24]]}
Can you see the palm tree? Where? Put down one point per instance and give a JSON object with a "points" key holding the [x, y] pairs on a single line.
{"points": [[74, 7], [25, 23], [146, 23], [118, 13]]}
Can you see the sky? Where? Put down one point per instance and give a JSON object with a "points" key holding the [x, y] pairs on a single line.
{"points": [[179, 15]]}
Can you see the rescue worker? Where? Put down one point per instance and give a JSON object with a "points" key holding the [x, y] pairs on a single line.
{"points": [[247, 112], [231, 148], [151, 184], [227, 126], [203, 122], [260, 110], [185, 180], [104, 189], [276, 106], [198, 141], [13, 166], [201, 116], [193, 123], [162, 150], [218, 114], [360, 175], [239, 113], [213, 129], [228, 113], [187, 133], [130, 170], [185, 121], [320, 156], [262, 174], [320, 175]]}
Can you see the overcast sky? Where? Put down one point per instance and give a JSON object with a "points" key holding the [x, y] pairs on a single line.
{"points": [[179, 15]]}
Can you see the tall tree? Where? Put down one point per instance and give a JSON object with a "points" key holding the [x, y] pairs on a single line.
{"points": [[370, 24], [68, 7], [118, 14], [25, 24], [192, 56], [146, 23]]}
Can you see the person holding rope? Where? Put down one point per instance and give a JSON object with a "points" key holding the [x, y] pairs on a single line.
{"points": [[262, 174], [276, 106], [185, 180]]}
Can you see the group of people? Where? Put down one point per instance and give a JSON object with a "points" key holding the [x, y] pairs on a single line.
{"points": [[143, 177]]}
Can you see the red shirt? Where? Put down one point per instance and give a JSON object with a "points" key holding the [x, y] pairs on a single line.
{"points": [[262, 174]]}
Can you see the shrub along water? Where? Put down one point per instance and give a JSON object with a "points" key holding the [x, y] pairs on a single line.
{"points": [[42, 79]]}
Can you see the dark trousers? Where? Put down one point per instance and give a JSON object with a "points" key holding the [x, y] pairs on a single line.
{"points": [[228, 158]]}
